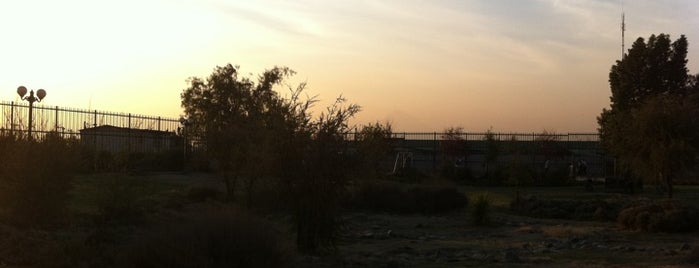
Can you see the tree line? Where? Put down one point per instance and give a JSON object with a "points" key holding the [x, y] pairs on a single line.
{"points": [[652, 125]]}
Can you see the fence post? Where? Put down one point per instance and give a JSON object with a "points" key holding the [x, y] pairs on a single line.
{"points": [[95, 119], [129, 138], [434, 152], [55, 123], [12, 118]]}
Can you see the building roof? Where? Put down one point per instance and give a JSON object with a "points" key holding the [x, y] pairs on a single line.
{"points": [[112, 129]]}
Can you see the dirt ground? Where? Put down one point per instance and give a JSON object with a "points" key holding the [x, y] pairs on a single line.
{"points": [[371, 239], [383, 240]]}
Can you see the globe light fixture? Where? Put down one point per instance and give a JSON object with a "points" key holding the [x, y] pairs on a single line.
{"points": [[40, 95]]}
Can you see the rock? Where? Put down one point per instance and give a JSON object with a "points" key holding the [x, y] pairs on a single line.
{"points": [[685, 246], [366, 234]]}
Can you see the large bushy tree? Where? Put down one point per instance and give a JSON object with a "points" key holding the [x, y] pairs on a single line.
{"points": [[237, 118], [650, 125], [251, 131]]}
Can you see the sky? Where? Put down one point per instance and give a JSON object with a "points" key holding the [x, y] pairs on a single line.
{"points": [[509, 65]]}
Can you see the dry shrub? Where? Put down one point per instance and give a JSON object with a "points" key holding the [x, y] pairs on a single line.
{"points": [[693, 256], [122, 200], [480, 211], [32, 248], [529, 229], [213, 238], [599, 210], [664, 216], [271, 196], [399, 198], [35, 178], [566, 231], [203, 194]]}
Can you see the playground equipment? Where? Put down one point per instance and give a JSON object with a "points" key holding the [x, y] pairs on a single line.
{"points": [[404, 160]]}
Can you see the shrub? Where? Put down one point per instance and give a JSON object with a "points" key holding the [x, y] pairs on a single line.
{"points": [[480, 210], [213, 238], [121, 200], [600, 210], [35, 177], [271, 196], [202, 194], [399, 198], [664, 216], [693, 256], [437, 199]]}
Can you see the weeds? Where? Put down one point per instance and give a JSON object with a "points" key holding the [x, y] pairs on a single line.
{"points": [[213, 238], [480, 210], [35, 177], [399, 198], [664, 216], [121, 200], [693, 256], [600, 210]]}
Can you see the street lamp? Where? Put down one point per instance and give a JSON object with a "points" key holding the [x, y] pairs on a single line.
{"points": [[40, 94]]}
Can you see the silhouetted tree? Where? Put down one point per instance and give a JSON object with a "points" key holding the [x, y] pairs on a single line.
{"points": [[317, 167], [251, 132], [454, 152], [238, 119], [492, 151], [373, 144], [651, 125]]}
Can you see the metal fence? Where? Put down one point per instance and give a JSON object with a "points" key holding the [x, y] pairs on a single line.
{"points": [[102, 130], [428, 152], [126, 132]]}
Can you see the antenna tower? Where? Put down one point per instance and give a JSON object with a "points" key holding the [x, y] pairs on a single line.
{"points": [[623, 29]]}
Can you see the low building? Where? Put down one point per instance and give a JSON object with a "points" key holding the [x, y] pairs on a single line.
{"points": [[119, 139]]}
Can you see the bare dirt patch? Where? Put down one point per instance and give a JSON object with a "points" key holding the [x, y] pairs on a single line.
{"points": [[384, 240]]}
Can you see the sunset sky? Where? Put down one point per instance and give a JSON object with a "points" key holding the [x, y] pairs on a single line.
{"points": [[513, 65]]}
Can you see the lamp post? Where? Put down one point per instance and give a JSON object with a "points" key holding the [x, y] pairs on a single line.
{"points": [[40, 94]]}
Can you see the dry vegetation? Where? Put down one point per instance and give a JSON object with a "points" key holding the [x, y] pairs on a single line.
{"points": [[185, 220], [181, 221]]}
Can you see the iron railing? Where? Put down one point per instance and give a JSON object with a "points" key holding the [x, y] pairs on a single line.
{"points": [[103, 131], [126, 132]]}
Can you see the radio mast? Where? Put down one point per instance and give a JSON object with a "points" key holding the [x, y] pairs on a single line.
{"points": [[623, 29]]}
